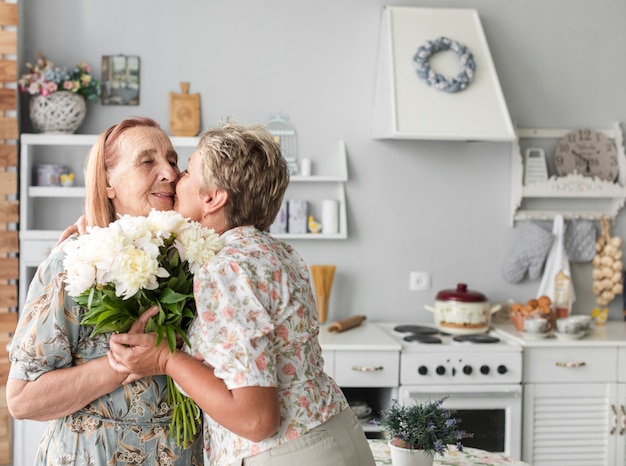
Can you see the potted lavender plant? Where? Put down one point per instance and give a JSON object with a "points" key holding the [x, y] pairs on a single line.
{"points": [[419, 431]]}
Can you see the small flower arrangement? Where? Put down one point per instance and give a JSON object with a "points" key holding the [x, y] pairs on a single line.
{"points": [[43, 78], [120, 271], [426, 426]]}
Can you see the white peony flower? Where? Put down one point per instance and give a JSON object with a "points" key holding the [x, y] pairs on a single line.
{"points": [[166, 222], [81, 273], [133, 270], [132, 228], [197, 245]]}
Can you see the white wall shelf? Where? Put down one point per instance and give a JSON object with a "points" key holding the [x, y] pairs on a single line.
{"points": [[314, 188], [45, 211], [572, 196]]}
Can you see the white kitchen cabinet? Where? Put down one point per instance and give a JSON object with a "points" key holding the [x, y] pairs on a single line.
{"points": [[573, 196], [365, 363], [573, 406]]}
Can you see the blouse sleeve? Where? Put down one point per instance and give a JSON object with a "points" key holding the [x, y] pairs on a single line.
{"points": [[234, 331], [48, 328]]}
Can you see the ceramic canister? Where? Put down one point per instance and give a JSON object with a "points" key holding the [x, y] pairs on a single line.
{"points": [[49, 174]]}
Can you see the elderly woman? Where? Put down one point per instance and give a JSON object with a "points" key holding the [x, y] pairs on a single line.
{"points": [[59, 372], [255, 365]]}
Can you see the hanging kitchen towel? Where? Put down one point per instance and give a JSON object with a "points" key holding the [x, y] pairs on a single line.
{"points": [[557, 260], [580, 240], [528, 253]]}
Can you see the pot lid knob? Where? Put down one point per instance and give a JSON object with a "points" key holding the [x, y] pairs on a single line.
{"points": [[461, 293]]}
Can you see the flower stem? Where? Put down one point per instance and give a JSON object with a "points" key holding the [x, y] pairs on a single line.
{"points": [[186, 415]]}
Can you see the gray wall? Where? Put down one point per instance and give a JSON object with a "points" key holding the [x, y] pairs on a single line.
{"points": [[441, 207]]}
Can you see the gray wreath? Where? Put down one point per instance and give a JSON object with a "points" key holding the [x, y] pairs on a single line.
{"points": [[439, 81]]}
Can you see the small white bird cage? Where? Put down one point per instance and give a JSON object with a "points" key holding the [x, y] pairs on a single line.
{"points": [[285, 134]]}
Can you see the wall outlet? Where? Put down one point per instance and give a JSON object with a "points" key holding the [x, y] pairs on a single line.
{"points": [[419, 281]]}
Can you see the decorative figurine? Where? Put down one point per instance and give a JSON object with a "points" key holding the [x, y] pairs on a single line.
{"points": [[67, 179], [314, 226]]}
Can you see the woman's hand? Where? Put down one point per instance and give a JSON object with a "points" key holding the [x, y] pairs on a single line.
{"points": [[135, 353], [79, 227]]}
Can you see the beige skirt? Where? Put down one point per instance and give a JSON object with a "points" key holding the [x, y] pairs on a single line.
{"points": [[340, 441]]}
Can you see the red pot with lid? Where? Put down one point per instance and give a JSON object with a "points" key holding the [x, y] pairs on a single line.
{"points": [[461, 311]]}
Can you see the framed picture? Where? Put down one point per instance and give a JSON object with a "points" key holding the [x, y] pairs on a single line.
{"points": [[120, 80]]}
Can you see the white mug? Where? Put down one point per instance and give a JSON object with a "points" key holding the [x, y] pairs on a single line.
{"points": [[305, 167], [584, 321], [536, 325], [567, 325]]}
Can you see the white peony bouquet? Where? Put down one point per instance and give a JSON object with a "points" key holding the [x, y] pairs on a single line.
{"points": [[120, 271]]}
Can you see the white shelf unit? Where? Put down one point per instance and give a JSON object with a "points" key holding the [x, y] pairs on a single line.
{"points": [[45, 211], [314, 188], [572, 196]]}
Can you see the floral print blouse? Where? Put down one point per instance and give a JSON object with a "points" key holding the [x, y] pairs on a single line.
{"points": [[257, 326], [129, 426]]}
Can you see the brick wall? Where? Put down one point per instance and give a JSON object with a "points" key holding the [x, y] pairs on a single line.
{"points": [[9, 208]]}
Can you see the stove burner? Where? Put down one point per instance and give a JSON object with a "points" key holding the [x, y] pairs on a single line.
{"points": [[421, 338], [416, 329], [478, 338]]}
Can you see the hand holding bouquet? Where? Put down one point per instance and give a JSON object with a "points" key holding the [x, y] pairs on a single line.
{"points": [[120, 271]]}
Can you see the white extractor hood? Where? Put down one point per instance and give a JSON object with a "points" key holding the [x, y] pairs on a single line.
{"points": [[406, 107]]}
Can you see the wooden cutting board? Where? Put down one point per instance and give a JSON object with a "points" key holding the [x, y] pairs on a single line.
{"points": [[184, 112]]}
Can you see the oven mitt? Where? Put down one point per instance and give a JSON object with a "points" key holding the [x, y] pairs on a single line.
{"points": [[580, 240], [528, 253]]}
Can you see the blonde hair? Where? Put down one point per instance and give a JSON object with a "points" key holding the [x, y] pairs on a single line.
{"points": [[246, 162], [103, 156]]}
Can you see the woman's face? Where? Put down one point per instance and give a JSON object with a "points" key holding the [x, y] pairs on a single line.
{"points": [[146, 173], [189, 203]]}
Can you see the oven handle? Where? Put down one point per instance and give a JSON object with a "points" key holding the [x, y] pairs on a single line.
{"points": [[475, 395]]}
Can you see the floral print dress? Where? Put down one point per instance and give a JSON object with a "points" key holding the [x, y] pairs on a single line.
{"points": [[129, 426], [257, 326]]}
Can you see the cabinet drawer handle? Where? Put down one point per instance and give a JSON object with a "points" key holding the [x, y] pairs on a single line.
{"points": [[623, 426], [614, 424], [367, 369], [570, 364]]}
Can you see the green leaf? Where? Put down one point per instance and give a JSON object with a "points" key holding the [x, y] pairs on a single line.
{"points": [[171, 338], [170, 296]]}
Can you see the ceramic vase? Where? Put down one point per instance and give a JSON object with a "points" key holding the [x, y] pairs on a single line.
{"points": [[408, 457], [59, 112]]}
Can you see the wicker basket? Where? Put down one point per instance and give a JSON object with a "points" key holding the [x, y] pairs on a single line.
{"points": [[59, 112]]}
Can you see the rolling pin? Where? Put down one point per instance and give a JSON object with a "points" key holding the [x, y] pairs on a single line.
{"points": [[346, 324]]}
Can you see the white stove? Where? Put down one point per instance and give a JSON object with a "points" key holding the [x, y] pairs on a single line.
{"points": [[430, 357], [479, 375]]}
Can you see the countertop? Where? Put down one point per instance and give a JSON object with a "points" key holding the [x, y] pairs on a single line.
{"points": [[369, 336], [612, 333], [366, 337], [468, 457]]}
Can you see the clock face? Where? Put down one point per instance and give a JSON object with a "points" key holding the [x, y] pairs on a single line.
{"points": [[587, 152]]}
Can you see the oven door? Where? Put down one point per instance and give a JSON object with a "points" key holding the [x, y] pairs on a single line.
{"points": [[492, 413]]}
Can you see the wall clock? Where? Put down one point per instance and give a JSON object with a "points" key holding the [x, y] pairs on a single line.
{"points": [[587, 152]]}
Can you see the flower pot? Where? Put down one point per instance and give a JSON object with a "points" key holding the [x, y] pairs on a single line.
{"points": [[408, 457], [59, 112]]}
